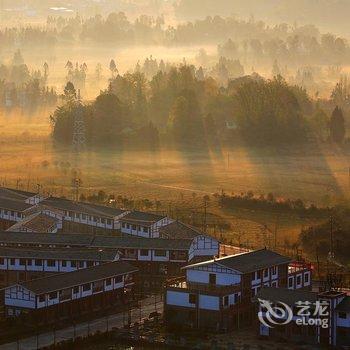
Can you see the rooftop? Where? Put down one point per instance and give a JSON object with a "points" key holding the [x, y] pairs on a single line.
{"points": [[15, 194], [88, 240], [59, 254], [249, 261], [37, 222], [13, 204], [76, 278], [142, 218], [80, 207], [287, 296], [178, 229], [344, 305]]}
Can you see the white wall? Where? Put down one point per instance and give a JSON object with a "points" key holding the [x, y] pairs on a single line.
{"points": [[176, 298], [222, 279]]}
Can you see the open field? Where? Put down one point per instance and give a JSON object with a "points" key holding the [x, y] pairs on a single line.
{"points": [[28, 158]]}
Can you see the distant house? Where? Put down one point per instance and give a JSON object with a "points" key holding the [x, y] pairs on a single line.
{"points": [[63, 296], [142, 224]]}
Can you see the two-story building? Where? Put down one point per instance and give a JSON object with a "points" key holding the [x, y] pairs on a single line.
{"points": [[217, 294], [142, 224], [312, 318], [72, 294], [157, 258], [23, 264]]}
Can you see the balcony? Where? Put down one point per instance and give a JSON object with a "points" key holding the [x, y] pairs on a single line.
{"points": [[212, 289]]}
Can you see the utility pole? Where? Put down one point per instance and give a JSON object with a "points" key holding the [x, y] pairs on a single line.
{"points": [[79, 127]]}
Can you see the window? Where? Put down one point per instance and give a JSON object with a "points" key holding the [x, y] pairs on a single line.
{"points": [[266, 273], [109, 221], [134, 227], [225, 300], [83, 216], [306, 278], [192, 298], [41, 298], [253, 275], [22, 262], [342, 315], [76, 290], [73, 263], [160, 253], [12, 261], [89, 264], [128, 226], [38, 262], [118, 279], [123, 225], [258, 274], [145, 229], [212, 278], [53, 295], [64, 263], [29, 262], [290, 282], [51, 263], [274, 284], [298, 280], [81, 264], [108, 281], [274, 270], [144, 252], [86, 287], [236, 298]]}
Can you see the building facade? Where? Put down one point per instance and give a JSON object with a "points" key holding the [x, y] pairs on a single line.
{"points": [[218, 294], [72, 294]]}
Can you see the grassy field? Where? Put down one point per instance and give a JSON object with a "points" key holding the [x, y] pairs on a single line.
{"points": [[179, 180]]}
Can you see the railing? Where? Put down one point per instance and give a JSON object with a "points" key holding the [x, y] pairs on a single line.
{"points": [[204, 287]]}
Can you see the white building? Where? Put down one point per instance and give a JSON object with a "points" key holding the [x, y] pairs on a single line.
{"points": [[61, 295], [142, 224]]}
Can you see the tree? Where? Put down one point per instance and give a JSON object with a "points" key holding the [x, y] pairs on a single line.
{"points": [[337, 126], [69, 94], [113, 68]]}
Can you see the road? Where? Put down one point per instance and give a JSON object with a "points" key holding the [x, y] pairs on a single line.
{"points": [[83, 329]]}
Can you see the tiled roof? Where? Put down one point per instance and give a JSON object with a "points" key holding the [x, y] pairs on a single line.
{"points": [[15, 194], [59, 254], [76, 278], [139, 242], [64, 239], [142, 218], [88, 240], [178, 229], [80, 207], [250, 261], [36, 222], [344, 305], [13, 204], [287, 296]]}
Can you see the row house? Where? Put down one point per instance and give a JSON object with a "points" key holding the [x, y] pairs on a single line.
{"points": [[325, 321], [217, 294], [72, 294], [23, 264], [142, 224], [157, 258], [11, 211], [85, 217]]}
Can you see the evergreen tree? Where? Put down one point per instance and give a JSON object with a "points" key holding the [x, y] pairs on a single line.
{"points": [[337, 126]]}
